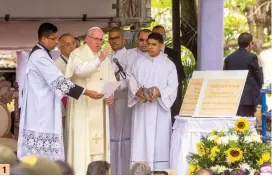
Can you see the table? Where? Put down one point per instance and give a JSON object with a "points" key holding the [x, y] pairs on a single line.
{"points": [[187, 131]]}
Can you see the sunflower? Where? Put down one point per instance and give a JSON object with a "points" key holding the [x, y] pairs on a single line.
{"points": [[234, 154], [266, 156], [242, 125], [260, 162], [200, 149]]}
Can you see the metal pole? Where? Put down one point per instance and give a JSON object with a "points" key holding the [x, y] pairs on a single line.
{"points": [[176, 25]]}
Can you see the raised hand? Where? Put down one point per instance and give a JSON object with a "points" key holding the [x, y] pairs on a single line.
{"points": [[93, 94], [105, 52]]}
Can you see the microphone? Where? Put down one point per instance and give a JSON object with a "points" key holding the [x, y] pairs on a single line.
{"points": [[118, 65]]}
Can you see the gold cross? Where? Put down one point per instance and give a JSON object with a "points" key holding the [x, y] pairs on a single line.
{"points": [[96, 138]]}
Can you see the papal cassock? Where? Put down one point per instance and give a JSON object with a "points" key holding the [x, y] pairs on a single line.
{"points": [[87, 120]]}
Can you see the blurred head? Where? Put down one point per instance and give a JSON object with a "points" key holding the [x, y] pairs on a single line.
{"points": [[245, 40], [42, 165], [65, 168], [98, 168], [48, 35], [7, 156], [237, 172], [155, 43], [203, 172], [67, 44], [140, 168], [77, 42], [142, 39], [160, 29], [116, 38], [22, 169], [94, 39]]}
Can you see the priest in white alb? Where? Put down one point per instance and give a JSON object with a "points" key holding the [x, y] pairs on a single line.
{"points": [[87, 121], [120, 113], [152, 91]]}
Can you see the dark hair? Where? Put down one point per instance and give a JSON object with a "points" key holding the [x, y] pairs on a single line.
{"points": [[159, 27], [159, 173], [46, 29], [244, 39], [156, 36], [98, 168], [116, 29], [65, 168], [237, 172], [143, 30]]}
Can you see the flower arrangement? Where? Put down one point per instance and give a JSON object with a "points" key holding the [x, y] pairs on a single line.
{"points": [[238, 148]]}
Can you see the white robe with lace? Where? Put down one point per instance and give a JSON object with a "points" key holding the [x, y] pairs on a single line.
{"points": [[40, 130]]}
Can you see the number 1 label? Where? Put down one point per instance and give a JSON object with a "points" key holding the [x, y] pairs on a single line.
{"points": [[4, 169]]}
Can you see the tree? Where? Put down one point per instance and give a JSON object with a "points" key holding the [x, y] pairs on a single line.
{"points": [[252, 16]]}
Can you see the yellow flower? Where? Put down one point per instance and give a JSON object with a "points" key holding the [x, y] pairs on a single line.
{"points": [[269, 95], [200, 149], [214, 132], [266, 156], [215, 150], [242, 125], [260, 162], [193, 168], [212, 157], [234, 154]]}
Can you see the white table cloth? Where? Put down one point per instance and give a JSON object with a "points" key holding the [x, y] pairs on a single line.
{"points": [[187, 131]]}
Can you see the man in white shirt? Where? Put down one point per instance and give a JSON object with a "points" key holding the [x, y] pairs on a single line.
{"points": [[141, 49], [67, 44], [120, 114]]}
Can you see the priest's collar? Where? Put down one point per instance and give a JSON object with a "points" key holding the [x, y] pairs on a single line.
{"points": [[46, 49], [41, 45]]}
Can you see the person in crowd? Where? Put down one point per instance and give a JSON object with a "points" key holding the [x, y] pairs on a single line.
{"points": [[140, 168], [65, 168], [98, 168], [243, 59], [7, 156]]}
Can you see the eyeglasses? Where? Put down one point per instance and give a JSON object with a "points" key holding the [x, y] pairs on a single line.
{"points": [[54, 39], [111, 39], [97, 39]]}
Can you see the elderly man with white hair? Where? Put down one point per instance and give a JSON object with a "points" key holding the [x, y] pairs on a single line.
{"points": [[87, 120]]}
